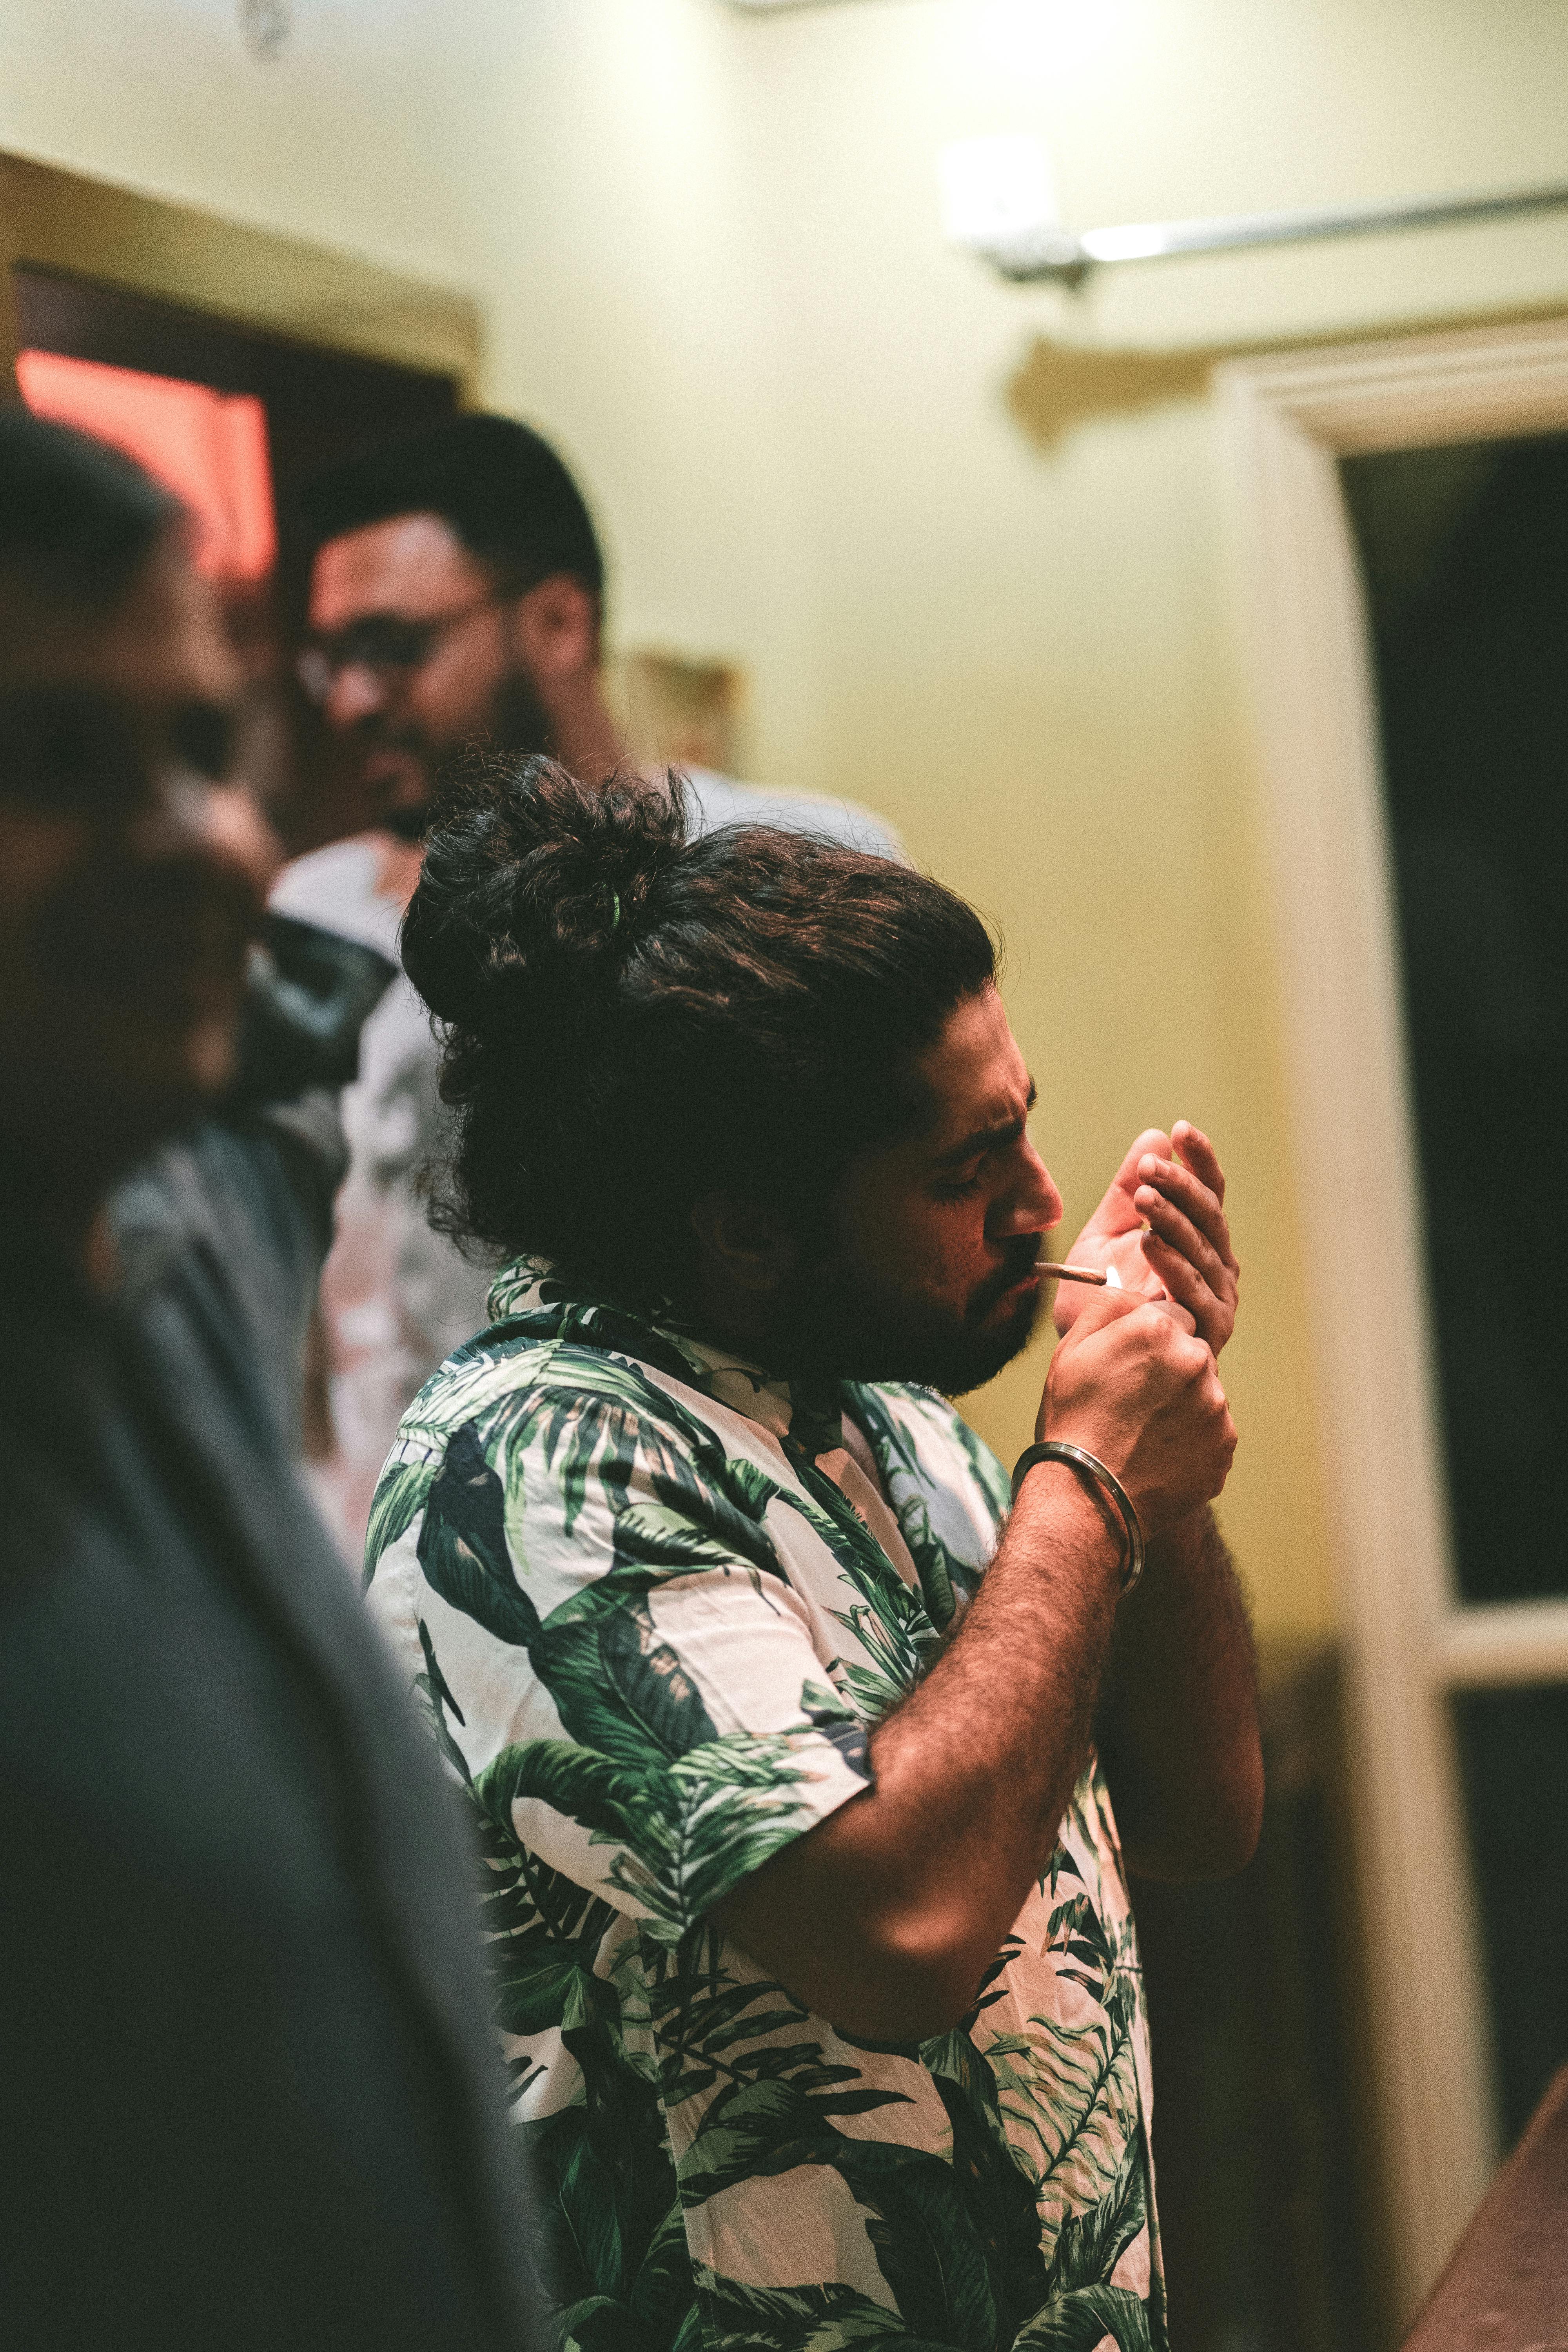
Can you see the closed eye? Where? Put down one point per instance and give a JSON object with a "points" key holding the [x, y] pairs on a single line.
{"points": [[958, 1188], [957, 1172]]}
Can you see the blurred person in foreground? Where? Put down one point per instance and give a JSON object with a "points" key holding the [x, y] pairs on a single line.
{"points": [[808, 1753], [248, 2098], [457, 596]]}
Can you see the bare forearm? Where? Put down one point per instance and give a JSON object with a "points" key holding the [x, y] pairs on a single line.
{"points": [[886, 1916], [985, 1754], [1178, 1719]]}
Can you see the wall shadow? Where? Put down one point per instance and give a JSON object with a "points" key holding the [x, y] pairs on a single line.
{"points": [[1059, 385]]}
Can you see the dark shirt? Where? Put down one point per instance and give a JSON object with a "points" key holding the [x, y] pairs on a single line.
{"points": [[248, 2096]]}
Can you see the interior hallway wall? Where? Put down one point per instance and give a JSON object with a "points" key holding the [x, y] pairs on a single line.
{"points": [[968, 540]]}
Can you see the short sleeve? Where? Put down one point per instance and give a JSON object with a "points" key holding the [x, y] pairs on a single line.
{"points": [[607, 1625]]}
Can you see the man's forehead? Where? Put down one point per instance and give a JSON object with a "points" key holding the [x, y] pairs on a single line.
{"points": [[411, 564], [975, 1073]]}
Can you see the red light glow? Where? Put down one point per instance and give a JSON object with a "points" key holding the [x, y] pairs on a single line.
{"points": [[208, 447]]}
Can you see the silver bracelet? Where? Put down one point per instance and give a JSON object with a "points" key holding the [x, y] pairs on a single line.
{"points": [[1056, 1449]]}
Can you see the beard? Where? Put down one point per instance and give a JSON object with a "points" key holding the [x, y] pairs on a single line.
{"points": [[405, 820], [519, 722], [515, 725], [832, 1321]]}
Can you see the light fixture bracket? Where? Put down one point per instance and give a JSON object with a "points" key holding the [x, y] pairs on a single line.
{"points": [[1054, 255]]}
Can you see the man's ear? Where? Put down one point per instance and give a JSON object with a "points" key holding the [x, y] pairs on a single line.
{"points": [[745, 1246], [557, 630]]}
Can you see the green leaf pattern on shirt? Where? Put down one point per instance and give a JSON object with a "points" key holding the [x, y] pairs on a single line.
{"points": [[652, 1636]]}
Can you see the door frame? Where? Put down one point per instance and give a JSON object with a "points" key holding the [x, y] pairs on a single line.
{"points": [[1409, 1643], [60, 220]]}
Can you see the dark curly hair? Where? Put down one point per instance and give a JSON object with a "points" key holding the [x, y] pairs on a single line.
{"points": [[499, 486], [634, 1018]]}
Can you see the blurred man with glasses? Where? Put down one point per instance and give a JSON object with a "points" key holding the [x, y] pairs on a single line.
{"points": [[457, 598]]}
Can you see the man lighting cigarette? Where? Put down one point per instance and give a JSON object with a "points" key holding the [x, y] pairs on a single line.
{"points": [[807, 1751]]}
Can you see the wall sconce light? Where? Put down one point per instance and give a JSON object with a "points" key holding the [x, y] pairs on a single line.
{"points": [[996, 202]]}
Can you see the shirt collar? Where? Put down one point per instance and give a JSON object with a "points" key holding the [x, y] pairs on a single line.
{"points": [[808, 1414]]}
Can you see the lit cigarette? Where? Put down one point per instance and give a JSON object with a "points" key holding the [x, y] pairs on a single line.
{"points": [[1079, 1273]]}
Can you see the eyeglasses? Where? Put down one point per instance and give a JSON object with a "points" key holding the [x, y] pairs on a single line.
{"points": [[385, 643]]}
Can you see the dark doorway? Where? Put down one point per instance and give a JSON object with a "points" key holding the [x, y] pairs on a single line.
{"points": [[1464, 553], [1465, 556], [321, 403]]}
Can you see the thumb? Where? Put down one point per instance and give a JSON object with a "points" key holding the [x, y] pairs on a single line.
{"points": [[1154, 1140], [1116, 1214]]}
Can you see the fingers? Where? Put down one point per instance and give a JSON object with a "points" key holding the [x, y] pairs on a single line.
{"points": [[1186, 1147], [1116, 1214], [1142, 1391], [1215, 1433], [1098, 1308], [1166, 1180], [1188, 1236], [1154, 1142], [1188, 1241], [1196, 1148], [1177, 1344], [1172, 1230], [1174, 1188], [1187, 1288]]}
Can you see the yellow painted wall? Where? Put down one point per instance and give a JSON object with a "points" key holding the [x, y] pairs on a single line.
{"points": [[968, 540]]}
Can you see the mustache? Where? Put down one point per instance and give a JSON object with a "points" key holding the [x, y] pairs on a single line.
{"points": [[1020, 1256], [376, 732], [515, 724], [406, 822]]}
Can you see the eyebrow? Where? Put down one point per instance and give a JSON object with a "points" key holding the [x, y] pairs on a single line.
{"points": [[988, 1138]]}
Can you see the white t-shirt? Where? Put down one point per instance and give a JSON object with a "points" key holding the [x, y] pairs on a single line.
{"points": [[397, 1298]]}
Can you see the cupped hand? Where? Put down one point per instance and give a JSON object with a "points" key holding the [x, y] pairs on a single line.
{"points": [[1112, 1241], [1138, 1389], [1162, 1227]]}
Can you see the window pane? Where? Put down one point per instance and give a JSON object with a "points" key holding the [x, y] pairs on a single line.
{"points": [[1465, 555], [1513, 1750]]}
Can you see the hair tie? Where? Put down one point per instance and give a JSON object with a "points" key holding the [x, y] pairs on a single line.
{"points": [[615, 910]]}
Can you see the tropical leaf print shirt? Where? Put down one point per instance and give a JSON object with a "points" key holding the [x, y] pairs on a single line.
{"points": [[637, 1588]]}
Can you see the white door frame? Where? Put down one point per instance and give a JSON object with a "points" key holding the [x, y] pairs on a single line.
{"points": [[1409, 1642]]}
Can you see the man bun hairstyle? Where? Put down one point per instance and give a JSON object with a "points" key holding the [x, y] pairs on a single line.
{"points": [[499, 486], [530, 883], [635, 1019]]}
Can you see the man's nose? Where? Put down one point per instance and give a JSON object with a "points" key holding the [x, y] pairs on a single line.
{"points": [[1034, 1204], [357, 691]]}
